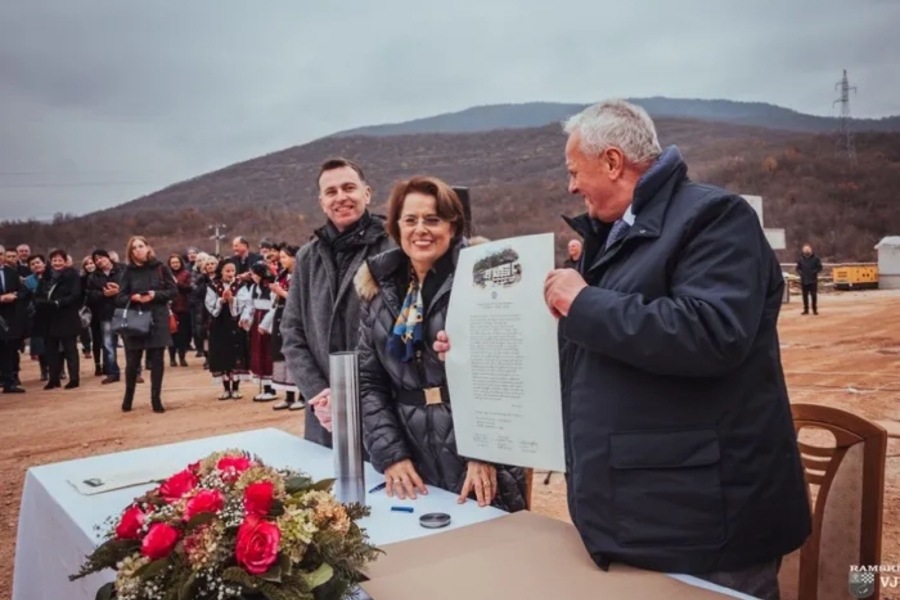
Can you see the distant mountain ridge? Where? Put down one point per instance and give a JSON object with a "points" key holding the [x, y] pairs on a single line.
{"points": [[517, 179], [536, 114]]}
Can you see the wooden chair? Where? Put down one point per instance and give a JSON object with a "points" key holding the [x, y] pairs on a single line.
{"points": [[529, 487], [848, 477]]}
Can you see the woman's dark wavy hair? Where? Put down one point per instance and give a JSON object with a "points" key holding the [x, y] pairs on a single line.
{"points": [[221, 266], [261, 269], [180, 258], [58, 252]]}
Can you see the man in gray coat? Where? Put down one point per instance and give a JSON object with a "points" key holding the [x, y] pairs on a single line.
{"points": [[321, 314]]}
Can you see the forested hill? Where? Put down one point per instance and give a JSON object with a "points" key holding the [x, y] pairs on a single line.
{"points": [[518, 186]]}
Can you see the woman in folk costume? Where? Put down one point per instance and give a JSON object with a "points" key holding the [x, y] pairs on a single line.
{"points": [[256, 301], [227, 355], [281, 376]]}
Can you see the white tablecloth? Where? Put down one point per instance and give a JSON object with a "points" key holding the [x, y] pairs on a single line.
{"points": [[56, 523]]}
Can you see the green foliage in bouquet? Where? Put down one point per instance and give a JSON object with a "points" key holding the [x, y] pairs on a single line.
{"points": [[228, 527]]}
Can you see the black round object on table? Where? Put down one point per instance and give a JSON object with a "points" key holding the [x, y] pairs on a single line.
{"points": [[434, 520]]}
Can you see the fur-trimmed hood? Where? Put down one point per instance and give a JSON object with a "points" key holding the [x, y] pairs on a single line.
{"points": [[367, 285]]}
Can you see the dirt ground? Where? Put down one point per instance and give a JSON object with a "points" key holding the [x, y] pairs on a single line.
{"points": [[848, 357]]}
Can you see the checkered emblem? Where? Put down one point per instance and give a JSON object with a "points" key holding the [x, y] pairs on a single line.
{"points": [[862, 584]]}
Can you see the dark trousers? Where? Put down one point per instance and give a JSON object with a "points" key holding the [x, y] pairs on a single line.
{"points": [[810, 291], [55, 358], [97, 337], [17, 358], [198, 320], [182, 338], [133, 358], [9, 351], [85, 337]]}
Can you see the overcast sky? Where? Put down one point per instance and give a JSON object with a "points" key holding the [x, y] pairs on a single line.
{"points": [[102, 101]]}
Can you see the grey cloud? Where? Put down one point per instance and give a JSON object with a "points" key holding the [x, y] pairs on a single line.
{"points": [[102, 101]]}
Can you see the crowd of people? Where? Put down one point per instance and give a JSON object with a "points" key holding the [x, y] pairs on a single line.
{"points": [[678, 432], [48, 305]]}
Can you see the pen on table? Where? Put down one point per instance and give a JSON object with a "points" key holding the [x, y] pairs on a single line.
{"points": [[378, 487]]}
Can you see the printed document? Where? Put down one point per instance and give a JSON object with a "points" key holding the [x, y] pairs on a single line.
{"points": [[99, 483], [503, 364]]}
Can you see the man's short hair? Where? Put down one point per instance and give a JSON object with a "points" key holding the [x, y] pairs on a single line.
{"points": [[616, 123], [241, 240], [339, 163], [99, 252]]}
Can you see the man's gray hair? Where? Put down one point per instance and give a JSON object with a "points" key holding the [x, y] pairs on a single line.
{"points": [[619, 124]]}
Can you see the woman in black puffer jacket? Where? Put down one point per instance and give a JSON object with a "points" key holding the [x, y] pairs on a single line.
{"points": [[405, 406], [149, 284]]}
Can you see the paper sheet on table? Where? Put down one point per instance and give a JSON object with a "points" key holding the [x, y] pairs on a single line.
{"points": [[503, 364], [524, 556], [108, 481]]}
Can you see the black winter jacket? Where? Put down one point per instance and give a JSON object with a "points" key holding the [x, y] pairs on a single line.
{"points": [[680, 445], [139, 279], [808, 268], [397, 424], [103, 307], [57, 303], [199, 281], [13, 314]]}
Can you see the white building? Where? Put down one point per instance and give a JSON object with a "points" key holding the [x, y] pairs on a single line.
{"points": [[889, 262], [501, 274]]}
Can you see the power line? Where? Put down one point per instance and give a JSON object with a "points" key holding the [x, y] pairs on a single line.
{"points": [[845, 145], [218, 236], [74, 184], [45, 173]]}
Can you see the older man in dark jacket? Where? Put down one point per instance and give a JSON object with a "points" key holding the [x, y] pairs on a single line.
{"points": [[808, 267], [13, 296], [321, 314], [680, 444], [681, 453]]}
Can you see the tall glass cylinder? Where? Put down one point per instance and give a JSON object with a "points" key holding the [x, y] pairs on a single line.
{"points": [[346, 428]]}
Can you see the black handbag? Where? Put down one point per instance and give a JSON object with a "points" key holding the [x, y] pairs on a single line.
{"points": [[132, 322]]}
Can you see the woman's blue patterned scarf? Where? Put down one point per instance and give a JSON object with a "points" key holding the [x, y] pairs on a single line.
{"points": [[408, 327]]}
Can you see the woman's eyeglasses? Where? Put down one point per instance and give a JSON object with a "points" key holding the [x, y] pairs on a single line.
{"points": [[431, 221]]}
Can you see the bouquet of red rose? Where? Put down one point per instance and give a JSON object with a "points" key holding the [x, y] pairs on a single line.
{"points": [[230, 527]]}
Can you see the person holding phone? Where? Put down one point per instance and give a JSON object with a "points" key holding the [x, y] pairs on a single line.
{"points": [[102, 289], [149, 284]]}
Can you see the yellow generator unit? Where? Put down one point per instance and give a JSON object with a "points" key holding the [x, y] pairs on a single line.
{"points": [[855, 278]]}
